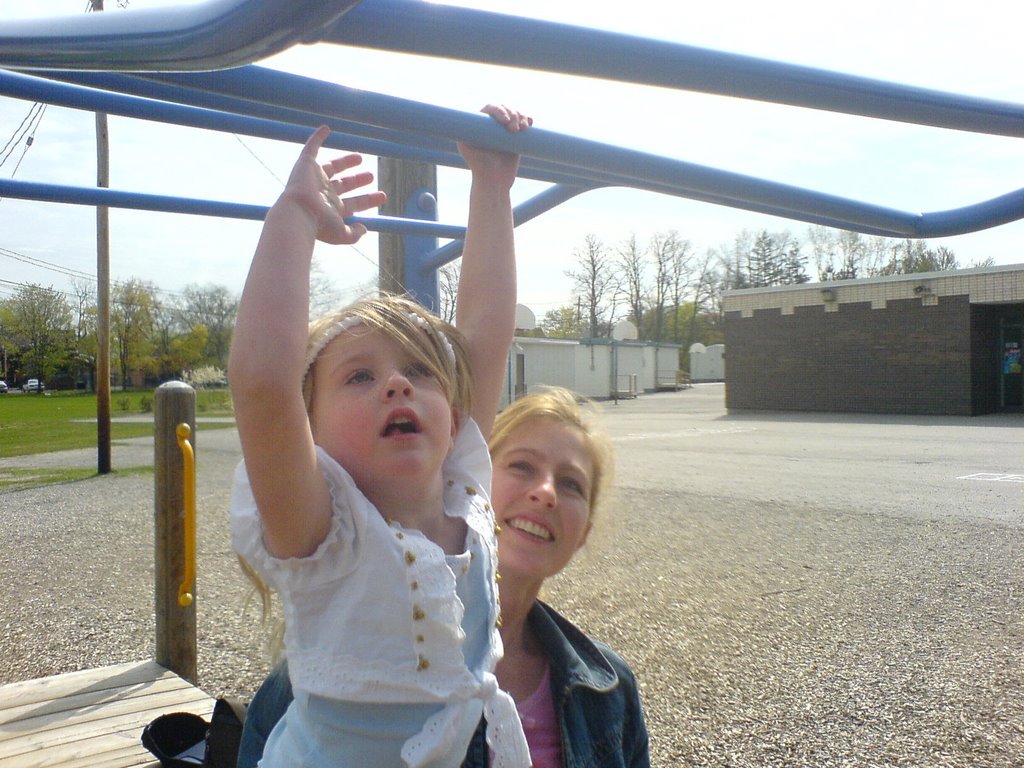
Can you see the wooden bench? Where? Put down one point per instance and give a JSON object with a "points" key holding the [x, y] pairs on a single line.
{"points": [[93, 718]]}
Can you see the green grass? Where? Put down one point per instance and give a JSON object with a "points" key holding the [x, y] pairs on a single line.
{"points": [[60, 421], [16, 479]]}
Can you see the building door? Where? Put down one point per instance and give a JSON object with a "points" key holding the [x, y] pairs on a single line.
{"points": [[1011, 379]]}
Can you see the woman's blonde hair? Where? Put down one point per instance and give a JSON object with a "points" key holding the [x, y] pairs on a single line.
{"points": [[434, 343], [564, 407]]}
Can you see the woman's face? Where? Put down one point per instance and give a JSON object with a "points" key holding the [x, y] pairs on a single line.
{"points": [[541, 496]]}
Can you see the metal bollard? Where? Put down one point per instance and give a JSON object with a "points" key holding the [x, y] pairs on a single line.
{"points": [[176, 648]]}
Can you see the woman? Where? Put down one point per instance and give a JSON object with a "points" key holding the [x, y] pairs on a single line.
{"points": [[577, 698]]}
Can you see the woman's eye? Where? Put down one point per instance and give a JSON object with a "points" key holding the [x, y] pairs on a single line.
{"points": [[359, 377], [572, 485]]}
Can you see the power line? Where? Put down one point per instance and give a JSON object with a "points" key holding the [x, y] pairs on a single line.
{"points": [[31, 138], [20, 132], [67, 272], [31, 260]]}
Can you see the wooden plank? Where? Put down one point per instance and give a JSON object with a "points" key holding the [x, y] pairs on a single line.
{"points": [[128, 756], [60, 709], [91, 718], [58, 686]]}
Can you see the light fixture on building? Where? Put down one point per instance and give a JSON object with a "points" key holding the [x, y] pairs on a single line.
{"points": [[827, 294], [921, 290]]}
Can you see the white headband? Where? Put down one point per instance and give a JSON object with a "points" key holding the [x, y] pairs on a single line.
{"points": [[350, 322]]}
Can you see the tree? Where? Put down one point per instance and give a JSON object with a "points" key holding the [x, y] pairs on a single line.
{"points": [[634, 281], [561, 323], [703, 291], [186, 351], [734, 261], [38, 321], [214, 307], [775, 259], [679, 280], [167, 327], [323, 295], [595, 286], [666, 249], [448, 289], [131, 326], [86, 343], [911, 256]]}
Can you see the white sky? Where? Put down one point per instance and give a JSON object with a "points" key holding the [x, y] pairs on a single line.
{"points": [[957, 47]]}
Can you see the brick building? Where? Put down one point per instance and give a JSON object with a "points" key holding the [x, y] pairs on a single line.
{"points": [[929, 343]]}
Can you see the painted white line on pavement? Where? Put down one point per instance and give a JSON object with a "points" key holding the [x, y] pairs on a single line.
{"points": [[694, 432], [993, 477]]}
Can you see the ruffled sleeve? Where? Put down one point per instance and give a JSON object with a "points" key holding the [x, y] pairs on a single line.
{"points": [[469, 458], [337, 555]]}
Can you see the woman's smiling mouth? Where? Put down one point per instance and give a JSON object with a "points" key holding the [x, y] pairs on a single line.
{"points": [[530, 527]]}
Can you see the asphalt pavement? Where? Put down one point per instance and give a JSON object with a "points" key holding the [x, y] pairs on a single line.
{"points": [[791, 589]]}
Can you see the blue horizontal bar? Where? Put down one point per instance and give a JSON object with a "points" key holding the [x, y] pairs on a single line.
{"points": [[111, 198], [414, 26], [593, 164]]}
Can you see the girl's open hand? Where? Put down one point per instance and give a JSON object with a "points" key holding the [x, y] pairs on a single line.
{"points": [[315, 189]]}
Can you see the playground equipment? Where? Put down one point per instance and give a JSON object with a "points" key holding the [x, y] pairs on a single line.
{"points": [[136, 48], [192, 66]]}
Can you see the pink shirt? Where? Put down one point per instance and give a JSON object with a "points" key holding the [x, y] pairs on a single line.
{"points": [[541, 726]]}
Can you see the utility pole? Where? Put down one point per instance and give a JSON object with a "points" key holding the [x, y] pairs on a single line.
{"points": [[103, 463], [400, 179]]}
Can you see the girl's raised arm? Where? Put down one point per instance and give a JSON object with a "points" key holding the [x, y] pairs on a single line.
{"points": [[268, 349], [486, 300]]}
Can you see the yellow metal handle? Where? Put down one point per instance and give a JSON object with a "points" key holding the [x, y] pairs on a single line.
{"points": [[183, 431]]}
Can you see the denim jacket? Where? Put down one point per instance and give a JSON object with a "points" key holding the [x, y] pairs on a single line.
{"points": [[596, 701]]}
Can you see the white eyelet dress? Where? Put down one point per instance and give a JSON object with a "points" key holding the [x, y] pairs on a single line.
{"points": [[391, 644]]}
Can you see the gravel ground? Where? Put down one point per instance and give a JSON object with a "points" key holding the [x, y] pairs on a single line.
{"points": [[791, 591]]}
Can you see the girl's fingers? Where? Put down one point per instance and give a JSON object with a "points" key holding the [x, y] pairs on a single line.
{"points": [[365, 202], [512, 119], [314, 142], [339, 164], [346, 183]]}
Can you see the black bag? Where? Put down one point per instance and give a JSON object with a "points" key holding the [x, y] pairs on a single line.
{"points": [[225, 733], [184, 740]]}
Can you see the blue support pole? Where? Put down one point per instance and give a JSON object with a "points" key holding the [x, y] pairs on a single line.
{"points": [[420, 277]]}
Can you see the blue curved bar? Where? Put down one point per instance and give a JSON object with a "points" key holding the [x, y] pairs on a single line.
{"points": [[210, 35]]}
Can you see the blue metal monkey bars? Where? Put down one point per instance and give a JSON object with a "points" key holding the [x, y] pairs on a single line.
{"points": [[157, 65]]}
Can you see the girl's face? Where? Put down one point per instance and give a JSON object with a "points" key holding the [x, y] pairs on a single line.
{"points": [[540, 491], [379, 413]]}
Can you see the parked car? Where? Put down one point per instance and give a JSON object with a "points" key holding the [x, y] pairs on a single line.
{"points": [[3, 387], [33, 385]]}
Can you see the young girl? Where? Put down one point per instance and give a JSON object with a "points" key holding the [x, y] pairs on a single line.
{"points": [[362, 498], [577, 698]]}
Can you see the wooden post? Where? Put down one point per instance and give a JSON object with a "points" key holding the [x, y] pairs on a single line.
{"points": [[103, 431], [175, 403], [400, 179]]}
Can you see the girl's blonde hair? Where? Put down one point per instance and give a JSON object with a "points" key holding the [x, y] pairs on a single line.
{"points": [[433, 342], [564, 407]]}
